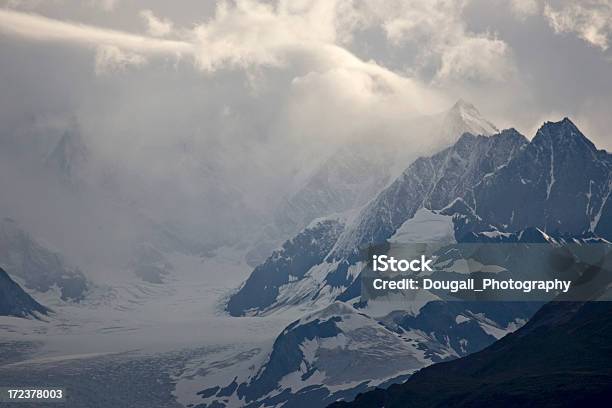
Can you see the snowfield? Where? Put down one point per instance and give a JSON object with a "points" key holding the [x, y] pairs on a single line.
{"points": [[179, 325]]}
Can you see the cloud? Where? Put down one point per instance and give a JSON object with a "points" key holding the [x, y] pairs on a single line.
{"points": [[252, 33], [27, 4], [301, 38], [525, 8], [292, 54], [415, 20], [305, 40], [106, 5], [590, 20], [248, 34], [39, 28], [438, 33], [157, 27], [110, 58], [476, 58]]}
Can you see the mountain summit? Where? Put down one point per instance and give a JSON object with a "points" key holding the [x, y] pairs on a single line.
{"points": [[564, 134], [462, 118]]}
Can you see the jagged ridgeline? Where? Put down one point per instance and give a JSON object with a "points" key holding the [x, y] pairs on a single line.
{"points": [[558, 183]]}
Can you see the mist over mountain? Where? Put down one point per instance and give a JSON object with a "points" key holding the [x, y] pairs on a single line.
{"points": [[462, 118], [190, 196], [68, 159], [351, 174], [356, 172]]}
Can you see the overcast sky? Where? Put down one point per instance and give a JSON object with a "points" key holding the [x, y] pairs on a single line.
{"points": [[520, 62]]}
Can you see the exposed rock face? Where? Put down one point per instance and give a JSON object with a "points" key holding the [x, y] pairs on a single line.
{"points": [[14, 301], [286, 265]]}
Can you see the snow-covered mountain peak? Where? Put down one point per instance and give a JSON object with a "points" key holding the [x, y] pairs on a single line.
{"points": [[462, 117], [465, 114], [462, 104]]}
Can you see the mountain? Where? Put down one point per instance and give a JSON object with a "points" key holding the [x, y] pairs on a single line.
{"points": [[287, 264], [561, 358], [503, 182], [355, 172], [40, 268], [14, 301], [433, 182], [359, 170], [314, 359], [319, 358], [558, 185]]}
